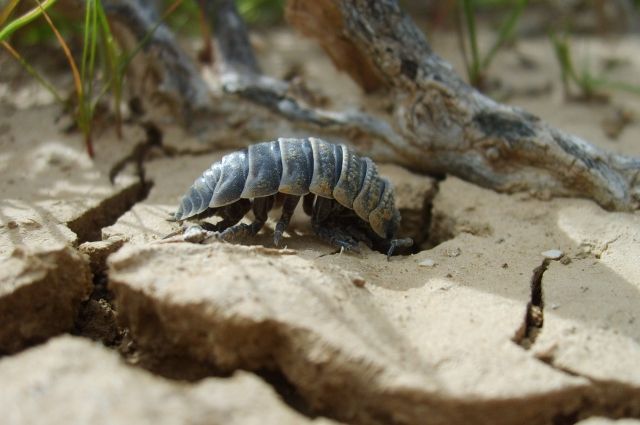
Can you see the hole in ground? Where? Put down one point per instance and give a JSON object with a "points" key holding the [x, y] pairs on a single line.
{"points": [[444, 225]]}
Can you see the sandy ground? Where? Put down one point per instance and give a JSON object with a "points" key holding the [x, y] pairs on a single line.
{"points": [[461, 331]]}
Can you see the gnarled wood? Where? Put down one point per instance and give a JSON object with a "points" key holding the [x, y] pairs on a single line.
{"points": [[439, 124], [177, 79], [447, 126]]}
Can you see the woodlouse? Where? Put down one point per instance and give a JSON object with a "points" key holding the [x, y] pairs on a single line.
{"points": [[343, 193]]}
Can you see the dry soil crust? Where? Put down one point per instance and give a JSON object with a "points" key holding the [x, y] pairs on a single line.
{"points": [[437, 337]]}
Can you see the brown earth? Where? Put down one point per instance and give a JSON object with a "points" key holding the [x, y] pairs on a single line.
{"points": [[462, 331]]}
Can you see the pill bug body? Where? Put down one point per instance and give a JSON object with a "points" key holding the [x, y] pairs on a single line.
{"points": [[339, 187]]}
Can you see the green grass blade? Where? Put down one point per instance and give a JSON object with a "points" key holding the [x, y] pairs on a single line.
{"points": [[65, 48], [561, 50], [618, 85], [470, 22], [85, 40], [112, 57], [93, 45], [35, 74], [505, 33], [8, 10], [23, 20], [90, 37], [114, 81]]}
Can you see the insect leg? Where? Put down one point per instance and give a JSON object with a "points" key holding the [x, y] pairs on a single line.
{"points": [[359, 234], [261, 207], [398, 243], [288, 207], [322, 209], [335, 236], [231, 215], [307, 203]]}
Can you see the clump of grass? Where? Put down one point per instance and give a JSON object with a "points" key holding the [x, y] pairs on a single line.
{"points": [[98, 40], [98, 37], [101, 57], [21, 21], [569, 75], [590, 87], [477, 63], [95, 28]]}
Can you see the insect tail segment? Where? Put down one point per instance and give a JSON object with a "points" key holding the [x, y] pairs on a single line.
{"points": [[199, 196], [385, 218]]}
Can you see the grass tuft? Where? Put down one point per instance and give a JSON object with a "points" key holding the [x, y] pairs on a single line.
{"points": [[477, 65], [590, 87]]}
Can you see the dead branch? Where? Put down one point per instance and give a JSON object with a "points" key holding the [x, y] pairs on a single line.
{"points": [[439, 124], [231, 40], [447, 126], [240, 75]]}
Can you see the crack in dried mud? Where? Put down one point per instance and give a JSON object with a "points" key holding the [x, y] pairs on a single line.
{"points": [[138, 155], [609, 399], [288, 393], [97, 319], [528, 332], [89, 225], [613, 400], [98, 316]]}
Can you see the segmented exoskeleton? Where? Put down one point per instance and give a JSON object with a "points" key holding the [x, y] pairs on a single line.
{"points": [[343, 193]]}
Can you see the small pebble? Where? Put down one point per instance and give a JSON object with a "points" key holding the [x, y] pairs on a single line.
{"points": [[358, 281], [453, 252], [427, 262], [195, 234], [553, 254]]}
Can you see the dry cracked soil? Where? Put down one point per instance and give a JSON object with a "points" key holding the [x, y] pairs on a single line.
{"points": [[512, 309]]}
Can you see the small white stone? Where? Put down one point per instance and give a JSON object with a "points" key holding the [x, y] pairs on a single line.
{"points": [[553, 254], [427, 262], [453, 252]]}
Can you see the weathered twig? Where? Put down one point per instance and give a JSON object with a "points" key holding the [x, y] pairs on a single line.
{"points": [[237, 69], [231, 40], [240, 75], [440, 124], [449, 127]]}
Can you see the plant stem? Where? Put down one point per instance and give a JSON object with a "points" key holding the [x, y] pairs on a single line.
{"points": [[32, 71], [8, 10], [469, 17], [505, 33], [23, 20]]}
